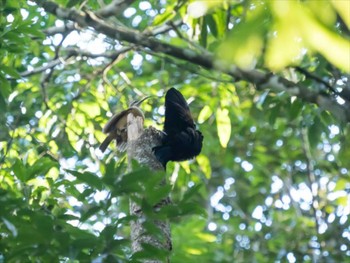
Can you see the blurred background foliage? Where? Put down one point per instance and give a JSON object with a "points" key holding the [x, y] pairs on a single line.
{"points": [[272, 182]]}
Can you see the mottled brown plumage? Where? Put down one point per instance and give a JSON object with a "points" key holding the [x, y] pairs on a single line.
{"points": [[116, 127]]}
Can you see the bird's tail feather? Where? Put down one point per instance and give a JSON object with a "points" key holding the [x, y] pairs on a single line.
{"points": [[105, 143]]}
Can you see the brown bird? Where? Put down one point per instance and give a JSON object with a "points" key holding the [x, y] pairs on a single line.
{"points": [[116, 128]]}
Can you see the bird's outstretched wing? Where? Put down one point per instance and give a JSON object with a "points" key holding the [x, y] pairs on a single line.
{"points": [[177, 113]]}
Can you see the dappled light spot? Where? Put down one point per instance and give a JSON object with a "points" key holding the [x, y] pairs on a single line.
{"points": [[212, 226], [129, 12], [258, 212], [247, 166]]}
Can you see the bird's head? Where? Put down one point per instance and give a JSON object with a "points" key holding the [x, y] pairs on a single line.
{"points": [[137, 103]]}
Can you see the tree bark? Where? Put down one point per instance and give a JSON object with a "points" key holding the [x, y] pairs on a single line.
{"points": [[140, 144]]}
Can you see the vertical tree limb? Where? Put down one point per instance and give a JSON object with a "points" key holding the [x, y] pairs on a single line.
{"points": [[140, 144]]}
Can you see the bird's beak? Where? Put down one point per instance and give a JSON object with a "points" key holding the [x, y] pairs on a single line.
{"points": [[138, 103]]}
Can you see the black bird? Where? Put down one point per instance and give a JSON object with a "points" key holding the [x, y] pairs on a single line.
{"points": [[181, 140]]}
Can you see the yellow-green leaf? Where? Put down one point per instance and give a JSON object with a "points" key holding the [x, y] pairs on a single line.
{"points": [[223, 124], [343, 9], [206, 237], [168, 14], [186, 167], [341, 185], [285, 48], [204, 164], [205, 113], [343, 201], [90, 109]]}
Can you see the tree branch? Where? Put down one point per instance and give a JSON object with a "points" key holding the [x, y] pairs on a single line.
{"points": [[67, 28], [49, 65], [112, 54], [263, 80], [318, 79]]}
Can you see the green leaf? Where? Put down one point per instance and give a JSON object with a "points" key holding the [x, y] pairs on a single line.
{"points": [[204, 114], [343, 8], [150, 252], [262, 99], [92, 211], [296, 109], [91, 109], [166, 16], [29, 29], [245, 43], [132, 182], [11, 227], [41, 167], [5, 87], [113, 170], [3, 103], [204, 33], [223, 124], [219, 18], [72, 3], [285, 47], [191, 208], [158, 193], [274, 114], [191, 192], [212, 24], [20, 170], [204, 164], [89, 178], [14, 38], [341, 185], [314, 132], [10, 71]]}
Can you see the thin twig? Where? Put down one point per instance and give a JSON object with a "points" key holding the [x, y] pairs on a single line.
{"points": [[51, 64], [115, 8], [189, 42], [317, 78], [65, 29], [193, 69]]}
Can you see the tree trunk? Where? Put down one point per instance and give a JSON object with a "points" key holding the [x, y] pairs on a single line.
{"points": [[140, 144]]}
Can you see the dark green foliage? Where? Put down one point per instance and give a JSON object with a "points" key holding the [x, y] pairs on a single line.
{"points": [[271, 183]]}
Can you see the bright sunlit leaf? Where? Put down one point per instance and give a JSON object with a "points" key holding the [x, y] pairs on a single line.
{"points": [[204, 164], [207, 237], [343, 201], [341, 185], [166, 16], [186, 167], [284, 48], [332, 46], [343, 8], [297, 27], [194, 251], [223, 124], [91, 109], [204, 114], [245, 42]]}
